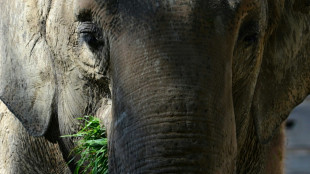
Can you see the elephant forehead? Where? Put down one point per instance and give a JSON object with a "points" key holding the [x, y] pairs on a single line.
{"points": [[121, 14], [173, 8], [146, 9]]}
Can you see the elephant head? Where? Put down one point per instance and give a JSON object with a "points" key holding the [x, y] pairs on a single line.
{"points": [[182, 83]]}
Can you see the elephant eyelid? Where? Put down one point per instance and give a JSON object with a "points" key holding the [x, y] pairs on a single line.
{"points": [[87, 27], [91, 34]]}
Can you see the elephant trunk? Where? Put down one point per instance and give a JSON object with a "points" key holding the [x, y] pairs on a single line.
{"points": [[172, 109]]}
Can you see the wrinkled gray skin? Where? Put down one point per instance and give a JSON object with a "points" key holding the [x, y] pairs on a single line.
{"points": [[187, 86], [21, 153]]}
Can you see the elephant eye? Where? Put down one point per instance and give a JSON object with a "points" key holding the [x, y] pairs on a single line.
{"points": [[91, 35], [249, 33], [250, 39]]}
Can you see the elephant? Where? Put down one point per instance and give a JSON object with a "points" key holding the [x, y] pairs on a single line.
{"points": [[186, 86]]}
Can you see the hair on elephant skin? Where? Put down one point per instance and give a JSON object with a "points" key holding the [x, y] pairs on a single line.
{"points": [[186, 86]]}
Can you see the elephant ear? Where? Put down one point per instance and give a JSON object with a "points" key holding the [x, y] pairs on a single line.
{"points": [[27, 81], [283, 81]]}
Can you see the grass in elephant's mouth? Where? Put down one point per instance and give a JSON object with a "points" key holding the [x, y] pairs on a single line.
{"points": [[92, 147]]}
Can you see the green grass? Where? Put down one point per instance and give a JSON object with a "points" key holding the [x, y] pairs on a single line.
{"points": [[92, 147]]}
